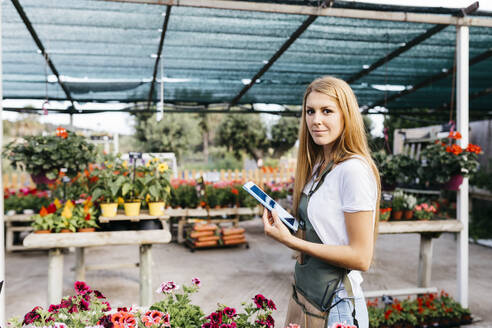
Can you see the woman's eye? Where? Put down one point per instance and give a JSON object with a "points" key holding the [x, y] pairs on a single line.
{"points": [[327, 111], [309, 111]]}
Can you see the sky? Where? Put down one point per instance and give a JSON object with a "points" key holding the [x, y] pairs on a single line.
{"points": [[123, 123]]}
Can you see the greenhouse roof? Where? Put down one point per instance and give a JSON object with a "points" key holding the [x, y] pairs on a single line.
{"points": [[240, 52]]}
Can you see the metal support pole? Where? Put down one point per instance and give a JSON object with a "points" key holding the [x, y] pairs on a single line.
{"points": [[2, 242], [462, 115]]}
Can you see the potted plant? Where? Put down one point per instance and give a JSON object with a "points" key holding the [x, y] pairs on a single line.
{"points": [[156, 187], [424, 211], [43, 223], [44, 156], [85, 217], [388, 169], [406, 169], [385, 210], [398, 204], [445, 163], [409, 204], [106, 189]]}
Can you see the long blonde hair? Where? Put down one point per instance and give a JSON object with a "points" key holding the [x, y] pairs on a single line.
{"points": [[352, 140]]}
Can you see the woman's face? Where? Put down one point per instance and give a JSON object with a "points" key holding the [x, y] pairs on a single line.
{"points": [[323, 118]]}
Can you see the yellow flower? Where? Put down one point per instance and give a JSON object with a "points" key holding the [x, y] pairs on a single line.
{"points": [[110, 166], [57, 203], [67, 212], [147, 164], [162, 167], [147, 197], [120, 201], [125, 164], [69, 204], [155, 160]]}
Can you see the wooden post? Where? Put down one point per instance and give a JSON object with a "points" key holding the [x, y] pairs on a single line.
{"points": [[55, 276], [79, 264], [181, 224], [425, 260], [222, 175], [145, 275]]}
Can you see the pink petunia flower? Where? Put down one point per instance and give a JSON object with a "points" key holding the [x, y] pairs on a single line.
{"points": [[195, 281], [167, 287]]}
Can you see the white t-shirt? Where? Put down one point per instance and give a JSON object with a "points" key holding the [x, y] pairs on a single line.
{"points": [[349, 187]]}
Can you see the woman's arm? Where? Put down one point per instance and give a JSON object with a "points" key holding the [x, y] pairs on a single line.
{"points": [[357, 255]]}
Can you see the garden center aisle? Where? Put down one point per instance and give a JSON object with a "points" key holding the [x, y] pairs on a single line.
{"points": [[231, 276]]}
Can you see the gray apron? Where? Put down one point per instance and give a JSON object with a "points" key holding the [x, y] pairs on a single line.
{"points": [[316, 280]]}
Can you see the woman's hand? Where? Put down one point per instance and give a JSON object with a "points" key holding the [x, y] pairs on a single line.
{"points": [[275, 228]]}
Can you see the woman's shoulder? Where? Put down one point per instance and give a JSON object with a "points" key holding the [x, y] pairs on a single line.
{"points": [[354, 164]]}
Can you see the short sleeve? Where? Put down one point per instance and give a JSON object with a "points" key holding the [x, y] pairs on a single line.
{"points": [[358, 188]]}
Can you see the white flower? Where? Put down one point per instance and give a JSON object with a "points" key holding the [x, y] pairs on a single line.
{"points": [[167, 287]]}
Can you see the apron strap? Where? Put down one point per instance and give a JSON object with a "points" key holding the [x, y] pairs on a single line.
{"points": [[348, 288]]}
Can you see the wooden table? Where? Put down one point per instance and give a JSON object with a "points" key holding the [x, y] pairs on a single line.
{"points": [[428, 230], [55, 242]]}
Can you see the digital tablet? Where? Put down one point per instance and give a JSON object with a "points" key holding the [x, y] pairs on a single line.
{"points": [[267, 201]]}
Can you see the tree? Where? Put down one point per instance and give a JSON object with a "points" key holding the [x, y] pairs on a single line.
{"points": [[178, 133], [284, 135], [243, 133]]}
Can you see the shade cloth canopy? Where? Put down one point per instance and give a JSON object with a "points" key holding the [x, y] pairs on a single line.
{"points": [[106, 51]]}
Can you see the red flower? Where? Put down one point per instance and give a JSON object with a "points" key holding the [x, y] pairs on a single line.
{"points": [[235, 191], [454, 135], [51, 208], [387, 314], [260, 301], [87, 217]]}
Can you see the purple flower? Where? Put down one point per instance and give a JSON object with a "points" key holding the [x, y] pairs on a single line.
{"points": [[31, 316], [167, 287], [65, 304], [260, 301], [105, 321], [81, 288], [215, 317], [229, 312], [271, 305], [54, 308], [269, 321], [98, 294], [196, 282], [207, 325], [108, 307]]}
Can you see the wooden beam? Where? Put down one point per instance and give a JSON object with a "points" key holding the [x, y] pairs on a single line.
{"points": [[274, 58], [398, 16], [420, 226], [41, 48], [159, 51], [395, 53], [439, 76], [90, 239]]}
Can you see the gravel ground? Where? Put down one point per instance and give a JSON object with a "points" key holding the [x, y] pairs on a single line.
{"points": [[231, 276]]}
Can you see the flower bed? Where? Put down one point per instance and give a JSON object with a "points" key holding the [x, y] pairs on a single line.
{"points": [[429, 310], [90, 309]]}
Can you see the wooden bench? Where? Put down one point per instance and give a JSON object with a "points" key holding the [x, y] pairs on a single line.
{"points": [[55, 242], [184, 214], [428, 230], [11, 229]]}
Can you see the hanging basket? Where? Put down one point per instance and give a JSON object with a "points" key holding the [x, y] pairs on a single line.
{"points": [[41, 179], [454, 183]]}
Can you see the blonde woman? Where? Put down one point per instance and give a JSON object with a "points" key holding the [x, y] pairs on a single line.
{"points": [[336, 199]]}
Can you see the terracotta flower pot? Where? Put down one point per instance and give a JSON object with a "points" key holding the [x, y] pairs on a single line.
{"points": [[42, 231], [86, 229], [408, 214], [396, 215], [156, 208], [65, 231], [109, 209], [132, 209]]}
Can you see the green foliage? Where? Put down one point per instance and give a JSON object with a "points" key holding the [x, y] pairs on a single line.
{"points": [[397, 169], [18, 203], [243, 133], [178, 133], [48, 154], [185, 196], [480, 223], [284, 135], [398, 203], [182, 312], [46, 222]]}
